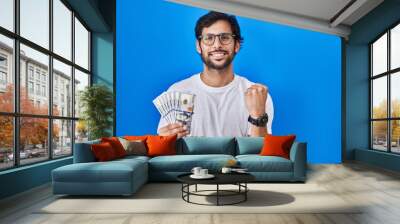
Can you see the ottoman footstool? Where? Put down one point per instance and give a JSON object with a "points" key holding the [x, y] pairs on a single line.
{"points": [[119, 177]]}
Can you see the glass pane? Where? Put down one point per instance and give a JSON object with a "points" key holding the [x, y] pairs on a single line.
{"points": [[379, 135], [35, 21], [395, 94], [62, 29], [34, 97], [62, 138], [379, 97], [395, 47], [6, 74], [81, 45], [81, 81], [395, 136], [7, 14], [62, 89], [81, 131], [6, 142], [33, 139], [379, 55]]}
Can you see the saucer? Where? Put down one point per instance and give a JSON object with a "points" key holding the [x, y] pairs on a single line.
{"points": [[208, 176]]}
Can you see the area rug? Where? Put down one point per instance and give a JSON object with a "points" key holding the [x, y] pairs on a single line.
{"points": [[167, 198]]}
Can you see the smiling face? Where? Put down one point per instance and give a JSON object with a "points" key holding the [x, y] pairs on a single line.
{"points": [[217, 56]]}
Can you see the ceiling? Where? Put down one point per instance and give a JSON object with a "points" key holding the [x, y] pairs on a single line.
{"points": [[99, 15], [327, 16]]}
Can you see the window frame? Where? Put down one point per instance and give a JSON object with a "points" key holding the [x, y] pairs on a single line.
{"points": [[388, 74], [16, 115]]}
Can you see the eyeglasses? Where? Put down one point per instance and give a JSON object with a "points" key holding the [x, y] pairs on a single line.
{"points": [[224, 38]]}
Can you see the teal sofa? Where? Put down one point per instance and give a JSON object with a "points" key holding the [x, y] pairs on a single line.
{"points": [[125, 176]]}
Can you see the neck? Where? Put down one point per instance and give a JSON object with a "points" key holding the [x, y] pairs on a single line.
{"points": [[217, 78]]}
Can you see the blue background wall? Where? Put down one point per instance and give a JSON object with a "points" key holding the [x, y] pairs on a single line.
{"points": [[357, 84], [156, 47]]}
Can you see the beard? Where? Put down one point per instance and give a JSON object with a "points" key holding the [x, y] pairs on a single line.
{"points": [[210, 64]]}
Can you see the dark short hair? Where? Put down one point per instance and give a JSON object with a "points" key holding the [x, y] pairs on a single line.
{"points": [[212, 17]]}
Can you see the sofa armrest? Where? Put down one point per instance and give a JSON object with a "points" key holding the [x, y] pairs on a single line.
{"points": [[83, 152], [298, 155]]}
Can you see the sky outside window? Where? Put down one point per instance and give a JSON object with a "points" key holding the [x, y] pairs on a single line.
{"points": [[35, 27], [7, 14], [395, 47], [379, 56], [35, 21], [62, 29]]}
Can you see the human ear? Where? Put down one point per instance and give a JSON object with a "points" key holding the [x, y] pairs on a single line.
{"points": [[237, 46], [198, 47]]}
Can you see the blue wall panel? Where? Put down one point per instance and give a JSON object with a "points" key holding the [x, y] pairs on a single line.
{"points": [[102, 58], [24, 178], [156, 47], [357, 78]]}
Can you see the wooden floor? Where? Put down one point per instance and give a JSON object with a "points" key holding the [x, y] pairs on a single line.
{"points": [[378, 189]]}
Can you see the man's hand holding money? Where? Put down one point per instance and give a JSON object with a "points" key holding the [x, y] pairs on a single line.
{"points": [[174, 129]]}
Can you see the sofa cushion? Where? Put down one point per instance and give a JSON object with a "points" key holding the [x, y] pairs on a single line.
{"points": [[132, 158], [116, 145], [257, 163], [249, 145], [83, 152], [185, 163], [103, 152], [161, 145], [111, 171], [206, 145], [134, 147], [277, 145], [134, 138]]}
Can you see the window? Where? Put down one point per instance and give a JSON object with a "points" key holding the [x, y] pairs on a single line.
{"points": [[7, 14], [30, 72], [6, 86], [385, 94], [81, 45], [3, 61], [62, 75], [38, 89], [81, 81], [62, 137], [38, 74], [30, 87], [6, 142], [45, 131], [3, 72], [62, 29], [3, 78], [35, 21], [44, 91]]}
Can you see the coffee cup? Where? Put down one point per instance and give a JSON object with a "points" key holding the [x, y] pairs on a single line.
{"points": [[203, 172], [226, 170], [196, 171]]}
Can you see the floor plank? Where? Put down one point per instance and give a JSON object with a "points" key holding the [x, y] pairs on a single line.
{"points": [[377, 191]]}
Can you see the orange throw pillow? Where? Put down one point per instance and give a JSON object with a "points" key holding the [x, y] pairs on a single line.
{"points": [[134, 138], [161, 145], [277, 145], [116, 145], [103, 151]]}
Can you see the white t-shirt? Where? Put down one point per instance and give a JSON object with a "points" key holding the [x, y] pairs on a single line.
{"points": [[219, 111]]}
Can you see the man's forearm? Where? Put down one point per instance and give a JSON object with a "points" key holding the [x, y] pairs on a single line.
{"points": [[257, 131]]}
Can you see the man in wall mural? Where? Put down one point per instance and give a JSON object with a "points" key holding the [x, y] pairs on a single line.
{"points": [[226, 104]]}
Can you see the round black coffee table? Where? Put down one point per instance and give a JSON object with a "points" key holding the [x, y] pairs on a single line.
{"points": [[238, 179]]}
